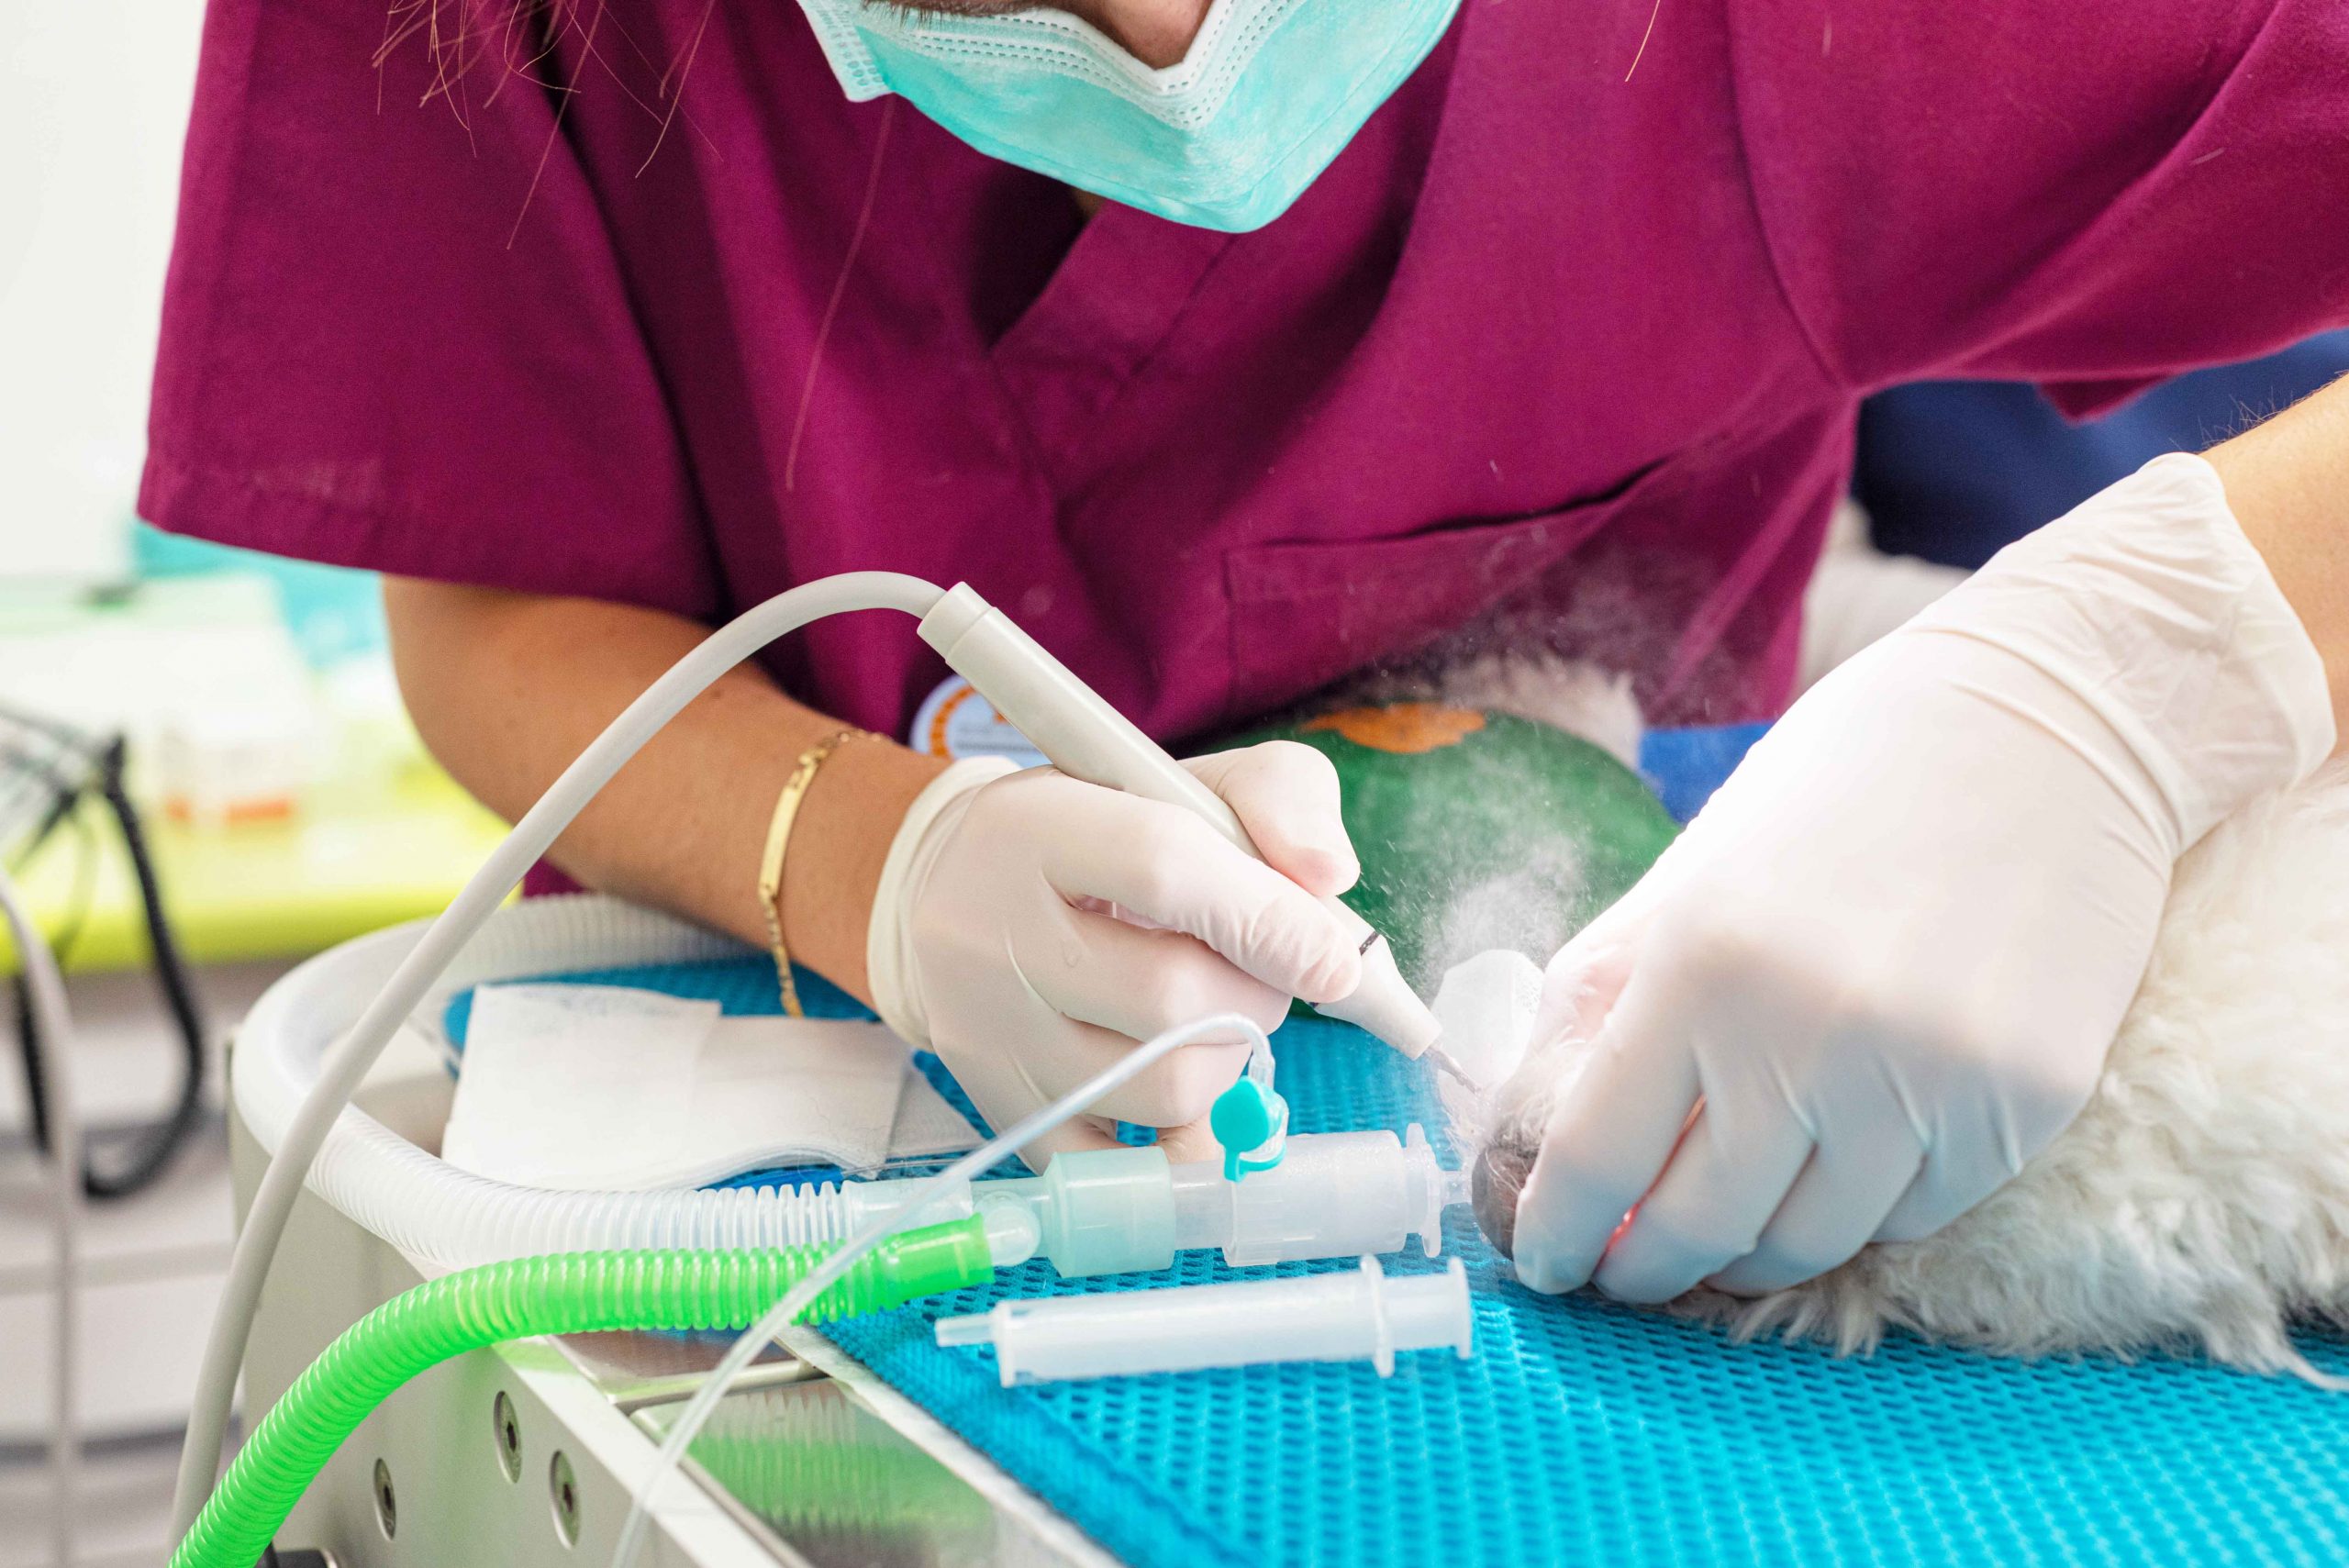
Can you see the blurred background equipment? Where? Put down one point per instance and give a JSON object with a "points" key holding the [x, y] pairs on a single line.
{"points": [[56, 772], [206, 775], [48, 1040]]}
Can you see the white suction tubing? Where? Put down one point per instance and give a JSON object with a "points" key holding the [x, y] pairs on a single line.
{"points": [[451, 1217], [432, 1210], [347, 1064]]}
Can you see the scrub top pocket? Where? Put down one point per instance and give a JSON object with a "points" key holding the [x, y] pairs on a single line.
{"points": [[1306, 614]]}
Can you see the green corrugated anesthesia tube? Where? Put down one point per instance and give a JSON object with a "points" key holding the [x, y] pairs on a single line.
{"points": [[570, 1292]]}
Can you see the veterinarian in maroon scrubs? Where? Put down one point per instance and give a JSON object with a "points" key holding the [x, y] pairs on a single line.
{"points": [[1404, 322]]}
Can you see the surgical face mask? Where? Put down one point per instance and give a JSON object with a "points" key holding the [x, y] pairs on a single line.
{"points": [[1269, 95]]}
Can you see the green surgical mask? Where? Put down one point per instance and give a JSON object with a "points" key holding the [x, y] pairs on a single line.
{"points": [[1269, 95]]}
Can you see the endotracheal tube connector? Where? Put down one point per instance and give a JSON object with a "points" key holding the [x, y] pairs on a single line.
{"points": [[1365, 1315], [1334, 1195]]}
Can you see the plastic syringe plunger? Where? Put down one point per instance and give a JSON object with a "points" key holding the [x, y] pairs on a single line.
{"points": [[1087, 738], [1363, 1315]]}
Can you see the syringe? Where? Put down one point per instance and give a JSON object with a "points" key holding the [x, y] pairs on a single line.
{"points": [[1087, 738], [1367, 1314]]}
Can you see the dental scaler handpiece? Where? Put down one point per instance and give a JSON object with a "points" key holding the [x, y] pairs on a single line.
{"points": [[1087, 738]]}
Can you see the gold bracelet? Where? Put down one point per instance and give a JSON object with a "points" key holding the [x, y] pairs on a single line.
{"points": [[786, 808]]}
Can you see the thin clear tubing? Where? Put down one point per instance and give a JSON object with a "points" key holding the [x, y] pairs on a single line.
{"points": [[1363, 1315], [568, 1293]]}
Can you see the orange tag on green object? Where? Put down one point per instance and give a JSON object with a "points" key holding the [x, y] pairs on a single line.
{"points": [[1403, 728]]}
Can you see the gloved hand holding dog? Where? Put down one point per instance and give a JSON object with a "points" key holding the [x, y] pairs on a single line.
{"points": [[1881, 969]]}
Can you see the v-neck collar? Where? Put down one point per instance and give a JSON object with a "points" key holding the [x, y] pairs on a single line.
{"points": [[1104, 312]]}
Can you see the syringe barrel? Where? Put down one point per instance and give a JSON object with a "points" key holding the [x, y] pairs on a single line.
{"points": [[1364, 1315]]}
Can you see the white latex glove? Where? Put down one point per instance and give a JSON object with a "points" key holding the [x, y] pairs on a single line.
{"points": [[1029, 927], [1882, 968]]}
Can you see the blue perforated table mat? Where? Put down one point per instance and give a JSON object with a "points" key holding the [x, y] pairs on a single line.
{"points": [[1586, 1433]]}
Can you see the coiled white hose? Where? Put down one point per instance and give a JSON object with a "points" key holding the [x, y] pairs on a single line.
{"points": [[431, 1210]]}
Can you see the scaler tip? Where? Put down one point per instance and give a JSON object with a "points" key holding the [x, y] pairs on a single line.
{"points": [[1443, 1064]]}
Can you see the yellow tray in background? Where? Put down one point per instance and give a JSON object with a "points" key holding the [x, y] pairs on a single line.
{"points": [[353, 860]]}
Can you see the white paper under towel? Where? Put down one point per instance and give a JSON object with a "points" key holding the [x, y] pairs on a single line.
{"points": [[591, 1086]]}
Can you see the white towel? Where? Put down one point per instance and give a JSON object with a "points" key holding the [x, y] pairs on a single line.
{"points": [[592, 1086]]}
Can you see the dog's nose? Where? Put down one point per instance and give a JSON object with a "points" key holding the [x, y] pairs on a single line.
{"points": [[1493, 1187]]}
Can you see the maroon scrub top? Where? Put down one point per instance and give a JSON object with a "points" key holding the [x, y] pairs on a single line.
{"points": [[1565, 346]]}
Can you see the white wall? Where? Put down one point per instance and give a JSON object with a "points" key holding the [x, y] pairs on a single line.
{"points": [[93, 102]]}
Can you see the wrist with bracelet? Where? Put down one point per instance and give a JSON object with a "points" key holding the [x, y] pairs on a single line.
{"points": [[778, 841]]}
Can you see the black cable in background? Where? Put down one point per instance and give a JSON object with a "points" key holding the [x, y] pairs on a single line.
{"points": [[179, 996], [64, 794], [155, 1146]]}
